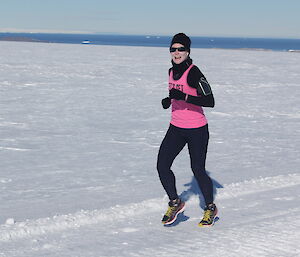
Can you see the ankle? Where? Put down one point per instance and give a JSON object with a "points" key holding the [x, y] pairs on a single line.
{"points": [[210, 206], [174, 202]]}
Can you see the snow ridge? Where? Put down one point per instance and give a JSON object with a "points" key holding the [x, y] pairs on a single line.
{"points": [[258, 185], [59, 223]]}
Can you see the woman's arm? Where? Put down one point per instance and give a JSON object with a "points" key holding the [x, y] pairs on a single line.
{"points": [[205, 101], [205, 96]]}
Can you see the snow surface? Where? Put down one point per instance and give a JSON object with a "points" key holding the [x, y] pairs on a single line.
{"points": [[80, 128]]}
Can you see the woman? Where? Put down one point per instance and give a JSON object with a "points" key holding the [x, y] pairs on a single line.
{"points": [[189, 91]]}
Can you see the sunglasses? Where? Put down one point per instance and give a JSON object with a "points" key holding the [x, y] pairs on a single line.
{"points": [[180, 49]]}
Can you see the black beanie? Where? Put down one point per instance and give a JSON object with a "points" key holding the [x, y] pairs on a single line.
{"points": [[183, 39]]}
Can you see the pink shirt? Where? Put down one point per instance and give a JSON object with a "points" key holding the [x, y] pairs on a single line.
{"points": [[185, 115]]}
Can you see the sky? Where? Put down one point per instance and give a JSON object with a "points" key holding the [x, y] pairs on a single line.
{"points": [[245, 18]]}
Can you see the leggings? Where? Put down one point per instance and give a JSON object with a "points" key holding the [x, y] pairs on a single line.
{"points": [[174, 141]]}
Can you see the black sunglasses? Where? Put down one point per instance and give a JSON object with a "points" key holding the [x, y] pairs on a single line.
{"points": [[180, 49]]}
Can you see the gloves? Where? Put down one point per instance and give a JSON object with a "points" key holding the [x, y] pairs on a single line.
{"points": [[173, 94], [176, 94], [166, 102]]}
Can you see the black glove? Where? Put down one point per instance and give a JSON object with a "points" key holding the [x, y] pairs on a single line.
{"points": [[176, 94], [166, 102]]}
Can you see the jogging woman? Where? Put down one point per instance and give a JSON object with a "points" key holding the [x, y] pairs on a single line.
{"points": [[189, 91]]}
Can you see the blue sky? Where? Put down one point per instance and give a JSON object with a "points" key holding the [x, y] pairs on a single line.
{"points": [[254, 18]]}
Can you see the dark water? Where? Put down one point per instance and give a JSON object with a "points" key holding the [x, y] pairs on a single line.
{"points": [[274, 44]]}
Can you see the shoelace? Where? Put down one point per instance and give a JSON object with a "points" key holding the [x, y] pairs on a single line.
{"points": [[207, 215], [170, 211]]}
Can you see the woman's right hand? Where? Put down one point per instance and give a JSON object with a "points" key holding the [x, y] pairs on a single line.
{"points": [[166, 102]]}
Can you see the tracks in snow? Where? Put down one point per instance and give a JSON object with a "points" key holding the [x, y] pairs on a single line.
{"points": [[31, 228]]}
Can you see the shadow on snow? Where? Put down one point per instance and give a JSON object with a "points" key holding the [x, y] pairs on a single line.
{"points": [[193, 189]]}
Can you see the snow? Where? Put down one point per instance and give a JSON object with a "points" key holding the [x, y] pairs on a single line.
{"points": [[80, 128]]}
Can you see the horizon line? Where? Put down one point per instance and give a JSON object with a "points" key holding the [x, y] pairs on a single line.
{"points": [[78, 32]]}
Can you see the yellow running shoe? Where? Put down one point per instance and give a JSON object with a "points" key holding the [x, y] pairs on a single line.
{"points": [[209, 216], [175, 207]]}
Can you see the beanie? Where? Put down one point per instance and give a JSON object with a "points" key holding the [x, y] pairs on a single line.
{"points": [[183, 39]]}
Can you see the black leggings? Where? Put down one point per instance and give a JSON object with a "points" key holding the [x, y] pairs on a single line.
{"points": [[174, 141]]}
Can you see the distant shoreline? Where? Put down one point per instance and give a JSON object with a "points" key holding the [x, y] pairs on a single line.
{"points": [[256, 44], [22, 39]]}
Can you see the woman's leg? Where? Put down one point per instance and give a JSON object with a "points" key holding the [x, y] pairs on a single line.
{"points": [[197, 144], [170, 147]]}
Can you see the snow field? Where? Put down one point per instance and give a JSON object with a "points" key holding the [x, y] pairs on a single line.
{"points": [[80, 127]]}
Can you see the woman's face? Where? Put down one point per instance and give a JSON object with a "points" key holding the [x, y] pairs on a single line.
{"points": [[179, 56]]}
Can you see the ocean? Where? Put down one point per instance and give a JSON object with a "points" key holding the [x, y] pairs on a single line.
{"points": [[275, 44]]}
